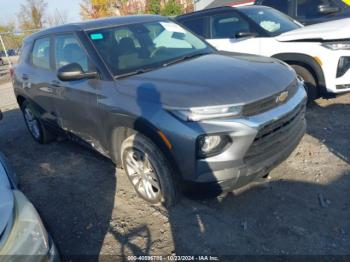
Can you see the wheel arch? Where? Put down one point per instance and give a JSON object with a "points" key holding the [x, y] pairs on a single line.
{"points": [[309, 63], [142, 126], [20, 100]]}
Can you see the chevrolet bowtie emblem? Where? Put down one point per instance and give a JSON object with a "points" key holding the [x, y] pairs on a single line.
{"points": [[282, 97]]}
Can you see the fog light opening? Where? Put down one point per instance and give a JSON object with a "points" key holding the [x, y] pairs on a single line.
{"points": [[209, 145]]}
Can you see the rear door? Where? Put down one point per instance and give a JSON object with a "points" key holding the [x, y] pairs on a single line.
{"points": [[227, 30], [34, 76], [76, 104]]}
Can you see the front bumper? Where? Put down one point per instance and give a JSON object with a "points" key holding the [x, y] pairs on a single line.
{"points": [[335, 83], [259, 144]]}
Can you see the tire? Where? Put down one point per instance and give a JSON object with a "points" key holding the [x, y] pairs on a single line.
{"points": [[309, 80], [156, 184], [35, 126]]}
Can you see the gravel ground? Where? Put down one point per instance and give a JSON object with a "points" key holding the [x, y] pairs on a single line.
{"points": [[90, 208]]}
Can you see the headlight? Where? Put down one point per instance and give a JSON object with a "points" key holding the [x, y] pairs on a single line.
{"points": [[205, 113], [209, 145], [343, 65], [28, 235], [337, 45]]}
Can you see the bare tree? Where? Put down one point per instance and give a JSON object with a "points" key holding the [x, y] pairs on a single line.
{"points": [[32, 14], [57, 18]]}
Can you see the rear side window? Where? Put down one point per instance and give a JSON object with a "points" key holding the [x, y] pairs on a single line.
{"points": [[68, 50], [24, 52], [280, 5], [41, 53], [197, 25]]}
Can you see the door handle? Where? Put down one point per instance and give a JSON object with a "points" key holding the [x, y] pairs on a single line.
{"points": [[25, 77]]}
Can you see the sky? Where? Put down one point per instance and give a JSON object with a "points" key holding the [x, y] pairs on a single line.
{"points": [[10, 8]]}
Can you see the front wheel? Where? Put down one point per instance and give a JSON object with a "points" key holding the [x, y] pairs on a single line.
{"points": [[148, 171], [309, 80], [35, 126]]}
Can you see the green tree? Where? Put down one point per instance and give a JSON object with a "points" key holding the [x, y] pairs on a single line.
{"points": [[153, 7], [171, 8], [92, 9], [9, 37]]}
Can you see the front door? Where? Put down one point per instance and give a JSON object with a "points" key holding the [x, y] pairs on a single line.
{"points": [[35, 78], [232, 32], [76, 104]]}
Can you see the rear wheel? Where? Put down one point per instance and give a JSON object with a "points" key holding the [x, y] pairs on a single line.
{"points": [[148, 171], [309, 81], [35, 126]]}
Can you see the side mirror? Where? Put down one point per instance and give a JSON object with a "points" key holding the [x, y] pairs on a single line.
{"points": [[74, 71], [245, 34], [326, 9]]}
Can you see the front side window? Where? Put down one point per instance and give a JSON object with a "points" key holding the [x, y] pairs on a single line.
{"points": [[229, 25], [41, 53], [68, 50], [280, 5], [197, 25], [271, 21], [314, 8], [144, 46]]}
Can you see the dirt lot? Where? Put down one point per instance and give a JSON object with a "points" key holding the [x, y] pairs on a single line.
{"points": [[89, 207]]}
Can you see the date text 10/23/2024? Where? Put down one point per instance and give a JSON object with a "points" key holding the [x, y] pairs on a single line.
{"points": [[173, 258]]}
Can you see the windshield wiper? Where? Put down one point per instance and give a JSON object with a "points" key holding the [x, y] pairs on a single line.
{"points": [[144, 70], [183, 58], [136, 72]]}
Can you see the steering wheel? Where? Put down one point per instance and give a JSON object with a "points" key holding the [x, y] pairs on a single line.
{"points": [[155, 51]]}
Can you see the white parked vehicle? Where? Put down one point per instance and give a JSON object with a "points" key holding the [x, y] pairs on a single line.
{"points": [[320, 53]]}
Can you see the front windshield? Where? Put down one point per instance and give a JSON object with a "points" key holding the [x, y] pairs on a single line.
{"points": [[271, 21], [136, 47]]}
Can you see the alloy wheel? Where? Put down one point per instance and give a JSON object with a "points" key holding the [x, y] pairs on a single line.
{"points": [[32, 123], [142, 174]]}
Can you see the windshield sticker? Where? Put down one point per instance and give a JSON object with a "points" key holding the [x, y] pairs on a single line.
{"points": [[96, 36], [172, 27], [270, 26]]}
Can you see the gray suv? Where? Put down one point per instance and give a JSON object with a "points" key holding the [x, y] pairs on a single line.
{"points": [[171, 110]]}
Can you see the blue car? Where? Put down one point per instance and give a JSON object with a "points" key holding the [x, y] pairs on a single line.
{"points": [[306, 12]]}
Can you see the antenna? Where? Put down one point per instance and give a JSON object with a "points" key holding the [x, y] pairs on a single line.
{"points": [[59, 15]]}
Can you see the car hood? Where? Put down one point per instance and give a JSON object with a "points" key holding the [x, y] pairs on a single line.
{"points": [[333, 30], [6, 199], [214, 79]]}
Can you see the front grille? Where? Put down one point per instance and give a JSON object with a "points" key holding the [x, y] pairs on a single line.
{"points": [[277, 135], [268, 103]]}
